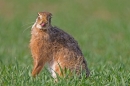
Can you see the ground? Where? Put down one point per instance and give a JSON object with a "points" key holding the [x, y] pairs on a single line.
{"points": [[102, 29]]}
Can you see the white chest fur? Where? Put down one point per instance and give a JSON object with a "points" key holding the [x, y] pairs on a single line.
{"points": [[51, 68]]}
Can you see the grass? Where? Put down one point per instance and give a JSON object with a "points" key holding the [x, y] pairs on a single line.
{"points": [[102, 29]]}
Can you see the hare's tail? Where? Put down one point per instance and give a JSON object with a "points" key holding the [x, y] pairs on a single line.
{"points": [[86, 67]]}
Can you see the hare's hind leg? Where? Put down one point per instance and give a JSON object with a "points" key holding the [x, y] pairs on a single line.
{"points": [[38, 65], [55, 70]]}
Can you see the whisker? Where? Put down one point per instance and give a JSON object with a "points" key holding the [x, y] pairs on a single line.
{"points": [[26, 28], [31, 23]]}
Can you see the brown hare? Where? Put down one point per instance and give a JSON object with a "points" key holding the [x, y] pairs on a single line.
{"points": [[55, 47]]}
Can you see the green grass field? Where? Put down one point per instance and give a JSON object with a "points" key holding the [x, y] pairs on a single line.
{"points": [[101, 27]]}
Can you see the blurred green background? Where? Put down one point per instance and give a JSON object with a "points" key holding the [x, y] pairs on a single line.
{"points": [[101, 27]]}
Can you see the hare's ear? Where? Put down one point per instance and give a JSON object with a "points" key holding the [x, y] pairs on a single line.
{"points": [[39, 13], [50, 15]]}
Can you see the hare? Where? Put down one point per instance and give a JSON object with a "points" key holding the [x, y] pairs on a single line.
{"points": [[55, 47]]}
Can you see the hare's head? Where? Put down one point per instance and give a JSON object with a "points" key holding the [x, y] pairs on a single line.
{"points": [[43, 20]]}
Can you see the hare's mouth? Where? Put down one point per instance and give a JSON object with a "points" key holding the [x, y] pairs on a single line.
{"points": [[43, 24]]}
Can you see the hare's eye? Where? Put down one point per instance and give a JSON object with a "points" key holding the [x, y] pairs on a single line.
{"points": [[38, 17]]}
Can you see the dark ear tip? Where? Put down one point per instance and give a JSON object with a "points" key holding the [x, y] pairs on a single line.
{"points": [[50, 14]]}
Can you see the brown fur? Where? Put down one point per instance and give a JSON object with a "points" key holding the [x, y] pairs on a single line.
{"points": [[52, 45]]}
